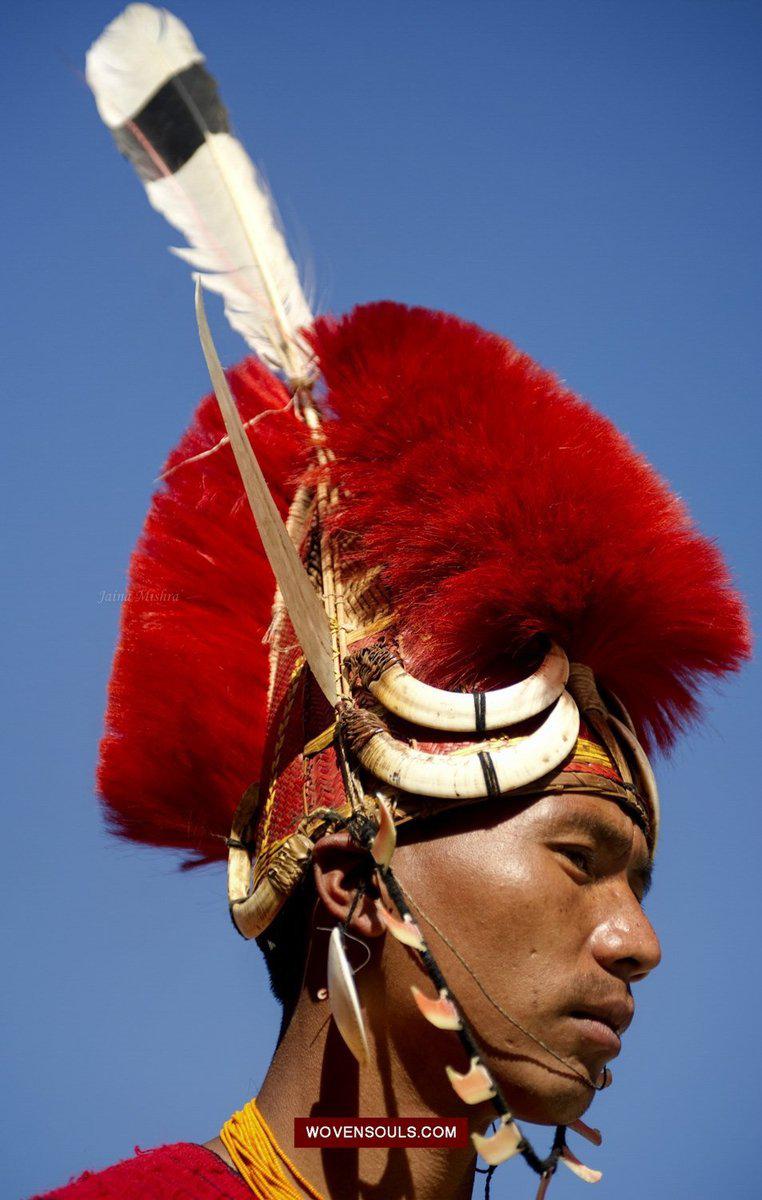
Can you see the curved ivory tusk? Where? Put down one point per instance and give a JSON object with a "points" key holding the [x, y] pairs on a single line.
{"points": [[587, 1131], [384, 843], [644, 767], [253, 911], [405, 931], [469, 712], [252, 914], [579, 1169], [440, 1012], [467, 776], [475, 1086], [501, 1145]]}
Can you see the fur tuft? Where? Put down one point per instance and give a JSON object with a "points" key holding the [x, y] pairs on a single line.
{"points": [[185, 721], [502, 506]]}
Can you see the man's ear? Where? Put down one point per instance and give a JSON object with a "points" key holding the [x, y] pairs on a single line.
{"points": [[340, 867]]}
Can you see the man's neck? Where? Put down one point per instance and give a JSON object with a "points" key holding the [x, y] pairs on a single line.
{"points": [[313, 1075]]}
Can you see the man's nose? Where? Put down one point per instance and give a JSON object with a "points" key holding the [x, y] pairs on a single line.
{"points": [[625, 944]]}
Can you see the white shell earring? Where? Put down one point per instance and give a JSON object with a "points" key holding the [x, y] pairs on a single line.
{"points": [[343, 998]]}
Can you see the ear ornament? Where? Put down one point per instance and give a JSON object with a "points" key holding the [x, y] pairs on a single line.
{"points": [[344, 1000]]}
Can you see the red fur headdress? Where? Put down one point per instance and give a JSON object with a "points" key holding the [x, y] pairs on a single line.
{"points": [[496, 503], [456, 518]]}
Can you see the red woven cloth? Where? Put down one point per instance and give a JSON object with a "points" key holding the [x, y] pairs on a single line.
{"points": [[182, 1171]]}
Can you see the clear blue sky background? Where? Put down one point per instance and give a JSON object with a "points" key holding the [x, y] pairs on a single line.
{"points": [[583, 177]]}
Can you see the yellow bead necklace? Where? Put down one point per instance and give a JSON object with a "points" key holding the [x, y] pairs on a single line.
{"points": [[251, 1144]]}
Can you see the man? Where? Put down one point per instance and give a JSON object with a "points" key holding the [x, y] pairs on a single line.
{"points": [[487, 604]]}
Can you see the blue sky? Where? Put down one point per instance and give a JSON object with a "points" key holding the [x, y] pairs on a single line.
{"points": [[583, 177]]}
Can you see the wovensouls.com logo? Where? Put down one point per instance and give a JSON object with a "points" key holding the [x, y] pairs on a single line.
{"points": [[381, 1131]]}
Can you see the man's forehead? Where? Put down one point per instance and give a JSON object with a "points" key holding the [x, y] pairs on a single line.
{"points": [[512, 817], [599, 816]]}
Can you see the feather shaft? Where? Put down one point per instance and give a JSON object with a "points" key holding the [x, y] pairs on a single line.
{"points": [[302, 601]]}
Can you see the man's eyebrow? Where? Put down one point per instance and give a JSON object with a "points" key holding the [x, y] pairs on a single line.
{"points": [[598, 827]]}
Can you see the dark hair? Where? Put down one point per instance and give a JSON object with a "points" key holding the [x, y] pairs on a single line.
{"points": [[285, 944]]}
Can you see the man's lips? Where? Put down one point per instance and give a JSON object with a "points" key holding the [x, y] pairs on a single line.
{"points": [[604, 1024]]}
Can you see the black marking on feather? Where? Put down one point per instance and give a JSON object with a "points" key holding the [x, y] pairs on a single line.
{"points": [[174, 123]]}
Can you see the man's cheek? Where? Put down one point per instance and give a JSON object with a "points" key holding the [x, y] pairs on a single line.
{"points": [[540, 931]]}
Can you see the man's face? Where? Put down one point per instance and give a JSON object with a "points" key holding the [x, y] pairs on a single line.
{"points": [[544, 905]]}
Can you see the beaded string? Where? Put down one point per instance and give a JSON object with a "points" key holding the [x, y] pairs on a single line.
{"points": [[252, 1145]]}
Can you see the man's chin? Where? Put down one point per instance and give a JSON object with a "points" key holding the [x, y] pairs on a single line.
{"points": [[547, 1099]]}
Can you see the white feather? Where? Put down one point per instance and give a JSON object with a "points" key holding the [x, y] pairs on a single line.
{"points": [[216, 199], [135, 56], [218, 203]]}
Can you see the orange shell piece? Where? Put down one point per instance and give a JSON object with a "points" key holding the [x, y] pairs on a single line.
{"points": [[405, 931], [499, 1146], [384, 843], [475, 1086], [580, 1170], [440, 1012], [587, 1131]]}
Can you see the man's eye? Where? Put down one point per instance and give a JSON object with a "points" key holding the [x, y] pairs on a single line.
{"points": [[580, 858]]}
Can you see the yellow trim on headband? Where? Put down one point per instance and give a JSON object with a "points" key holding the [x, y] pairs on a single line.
{"points": [[590, 752], [320, 742]]}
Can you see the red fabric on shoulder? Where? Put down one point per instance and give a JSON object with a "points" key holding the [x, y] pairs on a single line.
{"points": [[183, 1171]]}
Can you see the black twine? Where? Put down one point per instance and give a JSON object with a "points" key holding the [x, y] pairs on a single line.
{"points": [[490, 775]]}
